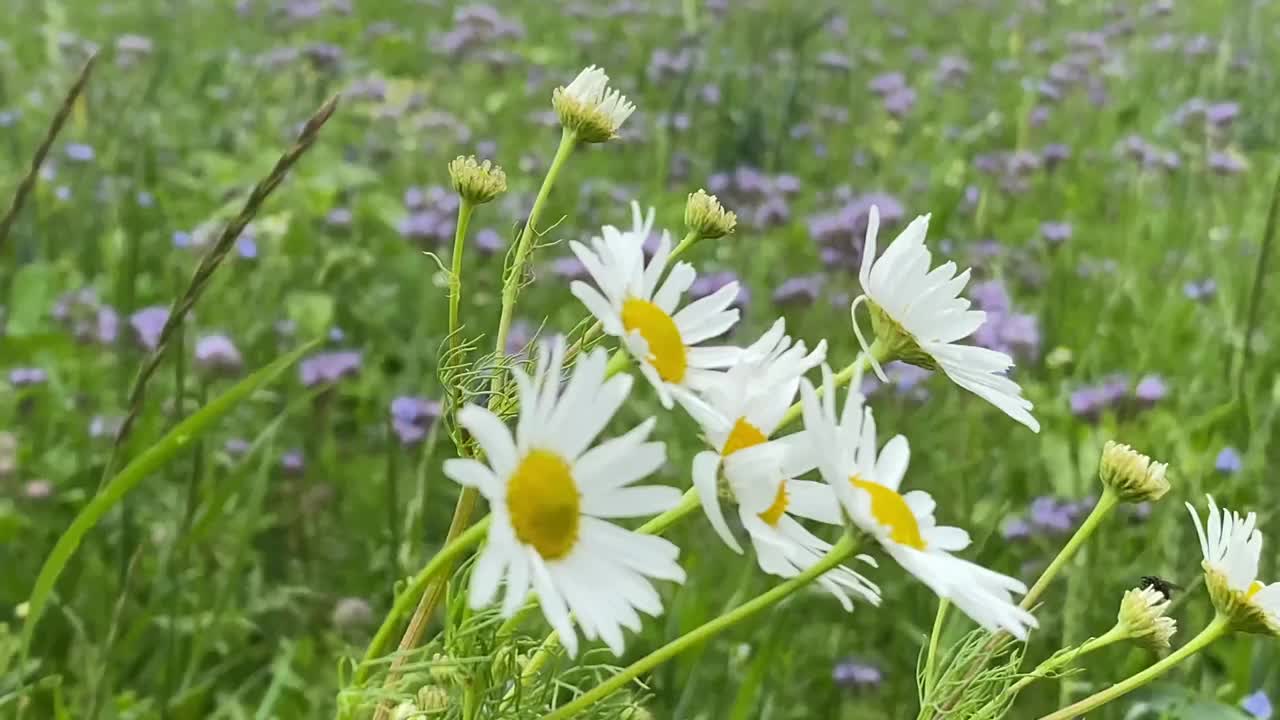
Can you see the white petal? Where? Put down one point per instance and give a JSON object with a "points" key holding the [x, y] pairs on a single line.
{"points": [[553, 606], [486, 575], [473, 473], [679, 281], [626, 502], [493, 437], [706, 466], [813, 500], [891, 466]]}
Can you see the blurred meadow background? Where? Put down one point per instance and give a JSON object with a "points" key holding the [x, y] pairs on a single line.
{"points": [[1106, 168]]}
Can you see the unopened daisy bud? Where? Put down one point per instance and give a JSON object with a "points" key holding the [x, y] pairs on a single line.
{"points": [[1142, 616], [477, 182], [433, 699], [405, 711], [1132, 475], [590, 108], [706, 217]]}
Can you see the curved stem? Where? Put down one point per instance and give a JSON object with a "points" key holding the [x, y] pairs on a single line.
{"points": [[931, 660], [510, 291], [1105, 505], [1053, 664], [842, 550], [400, 607], [1212, 632], [455, 273]]}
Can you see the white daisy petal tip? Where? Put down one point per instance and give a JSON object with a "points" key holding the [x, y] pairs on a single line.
{"points": [[1231, 546]]}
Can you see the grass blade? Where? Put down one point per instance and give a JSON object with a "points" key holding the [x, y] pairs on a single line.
{"points": [[133, 473]]}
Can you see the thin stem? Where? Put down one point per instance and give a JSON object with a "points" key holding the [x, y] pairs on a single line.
{"points": [[465, 208], [33, 172], [1105, 505], [842, 550], [1212, 632], [1255, 294], [432, 594], [438, 564], [660, 523], [1053, 664], [685, 243], [931, 660]]}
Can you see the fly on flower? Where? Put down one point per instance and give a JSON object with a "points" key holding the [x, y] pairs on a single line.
{"points": [[1231, 546], [867, 481], [919, 314], [749, 401], [631, 305], [551, 493]]}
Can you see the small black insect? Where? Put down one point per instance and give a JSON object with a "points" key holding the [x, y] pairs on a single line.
{"points": [[1164, 587]]}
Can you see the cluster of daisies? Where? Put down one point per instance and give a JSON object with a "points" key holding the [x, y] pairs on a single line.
{"points": [[554, 488]]}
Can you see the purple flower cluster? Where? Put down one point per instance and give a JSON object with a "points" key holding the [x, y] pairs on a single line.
{"points": [[147, 324], [895, 94], [856, 674], [906, 380], [88, 319], [839, 232], [479, 31], [27, 377], [761, 200], [1116, 394], [412, 417], [1048, 516], [1013, 333], [432, 215], [329, 367], [218, 354]]}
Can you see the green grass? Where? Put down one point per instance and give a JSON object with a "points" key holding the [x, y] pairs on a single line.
{"points": [[213, 595]]}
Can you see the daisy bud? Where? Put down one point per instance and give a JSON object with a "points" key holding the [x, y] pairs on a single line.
{"points": [[705, 216], [405, 711], [1142, 617], [433, 699], [590, 108], [1132, 475], [477, 182]]}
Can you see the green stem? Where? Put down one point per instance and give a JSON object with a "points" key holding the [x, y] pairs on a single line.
{"points": [[619, 362], [930, 661], [660, 523], [442, 560], [842, 550], [687, 242], [455, 274], [1212, 632], [432, 593], [1053, 664], [1105, 505]]}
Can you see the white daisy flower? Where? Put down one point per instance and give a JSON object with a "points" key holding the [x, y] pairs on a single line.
{"points": [[866, 483], [551, 494], [589, 107], [748, 403], [631, 305], [919, 313], [1231, 546]]}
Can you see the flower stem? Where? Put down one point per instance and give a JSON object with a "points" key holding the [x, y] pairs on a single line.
{"points": [[930, 661], [465, 208], [1053, 664], [438, 564], [619, 362], [842, 550], [510, 291], [1212, 632], [1105, 505]]}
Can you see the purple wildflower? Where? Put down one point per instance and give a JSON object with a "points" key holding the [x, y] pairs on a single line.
{"points": [[1151, 389], [292, 462], [1015, 528], [1048, 514], [1203, 290], [1055, 233], [218, 354], [1228, 461], [1258, 704], [800, 290], [412, 417], [489, 241], [147, 324], [79, 152], [236, 447], [27, 377], [105, 426], [855, 674], [329, 367]]}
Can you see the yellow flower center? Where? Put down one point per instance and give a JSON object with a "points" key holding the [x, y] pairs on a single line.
{"points": [[742, 436], [666, 347], [1254, 589], [773, 513], [543, 501], [891, 510]]}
